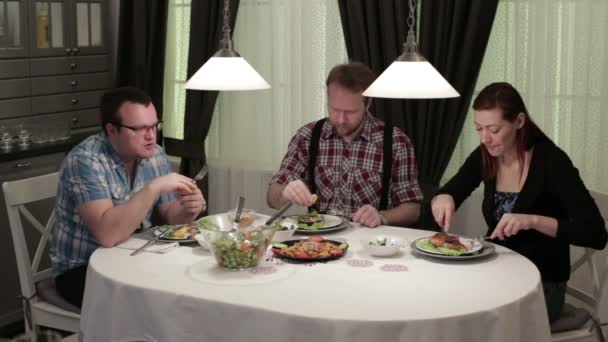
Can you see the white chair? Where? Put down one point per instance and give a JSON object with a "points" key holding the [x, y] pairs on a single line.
{"points": [[581, 323], [42, 305]]}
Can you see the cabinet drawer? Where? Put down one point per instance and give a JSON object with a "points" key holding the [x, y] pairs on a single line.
{"points": [[13, 68], [14, 108], [68, 65], [30, 167], [72, 83], [65, 102], [14, 88], [85, 118]]}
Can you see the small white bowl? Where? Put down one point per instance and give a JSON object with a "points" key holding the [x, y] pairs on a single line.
{"points": [[375, 248]]}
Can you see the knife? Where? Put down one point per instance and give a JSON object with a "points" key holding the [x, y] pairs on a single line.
{"points": [[140, 249], [279, 213]]}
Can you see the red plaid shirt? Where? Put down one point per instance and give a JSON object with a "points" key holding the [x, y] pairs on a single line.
{"points": [[349, 175]]}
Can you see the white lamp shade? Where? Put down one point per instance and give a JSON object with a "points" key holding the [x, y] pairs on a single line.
{"points": [[411, 80], [226, 73]]}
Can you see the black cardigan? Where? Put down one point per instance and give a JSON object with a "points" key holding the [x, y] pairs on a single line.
{"points": [[553, 188]]}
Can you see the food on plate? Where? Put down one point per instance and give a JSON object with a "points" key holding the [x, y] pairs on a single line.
{"points": [[247, 220], [206, 224], [310, 221], [181, 232], [447, 244], [378, 242], [314, 247]]}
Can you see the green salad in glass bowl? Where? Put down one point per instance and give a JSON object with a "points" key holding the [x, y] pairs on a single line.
{"points": [[237, 249]]}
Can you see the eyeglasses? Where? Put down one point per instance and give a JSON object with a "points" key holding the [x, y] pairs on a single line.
{"points": [[142, 129]]}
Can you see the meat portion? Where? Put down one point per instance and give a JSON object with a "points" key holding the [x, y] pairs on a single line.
{"points": [[447, 241]]}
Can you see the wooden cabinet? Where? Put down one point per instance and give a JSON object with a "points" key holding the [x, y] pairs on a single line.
{"points": [[54, 63]]}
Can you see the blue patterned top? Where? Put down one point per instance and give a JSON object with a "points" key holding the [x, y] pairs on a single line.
{"points": [[92, 171], [503, 203]]}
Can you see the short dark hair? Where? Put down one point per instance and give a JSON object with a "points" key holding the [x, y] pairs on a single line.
{"points": [[113, 99], [354, 76]]}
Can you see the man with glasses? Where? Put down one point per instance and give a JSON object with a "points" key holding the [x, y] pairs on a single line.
{"points": [[109, 186]]}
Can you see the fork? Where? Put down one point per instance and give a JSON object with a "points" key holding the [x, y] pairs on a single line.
{"points": [[481, 238]]}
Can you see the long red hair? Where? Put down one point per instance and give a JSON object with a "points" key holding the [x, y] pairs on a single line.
{"points": [[503, 96]]}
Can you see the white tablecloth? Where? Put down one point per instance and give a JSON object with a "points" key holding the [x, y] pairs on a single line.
{"points": [[184, 296]]}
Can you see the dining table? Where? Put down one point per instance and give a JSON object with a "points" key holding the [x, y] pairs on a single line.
{"points": [[183, 295]]}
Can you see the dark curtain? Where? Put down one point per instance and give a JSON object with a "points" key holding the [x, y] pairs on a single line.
{"points": [[453, 38], [205, 33], [141, 48]]}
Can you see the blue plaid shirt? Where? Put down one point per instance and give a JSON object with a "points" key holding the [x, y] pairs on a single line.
{"points": [[93, 171]]}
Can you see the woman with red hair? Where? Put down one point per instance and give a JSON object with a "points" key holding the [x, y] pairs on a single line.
{"points": [[534, 202]]}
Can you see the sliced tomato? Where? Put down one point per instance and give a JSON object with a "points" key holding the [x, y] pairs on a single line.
{"points": [[335, 251]]}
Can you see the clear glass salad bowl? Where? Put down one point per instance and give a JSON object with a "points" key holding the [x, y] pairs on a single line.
{"points": [[238, 249]]}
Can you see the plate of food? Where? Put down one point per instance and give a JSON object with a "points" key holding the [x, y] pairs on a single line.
{"points": [[183, 233], [450, 246], [315, 222], [314, 248]]}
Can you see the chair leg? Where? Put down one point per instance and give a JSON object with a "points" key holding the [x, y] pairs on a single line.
{"points": [[32, 334]]}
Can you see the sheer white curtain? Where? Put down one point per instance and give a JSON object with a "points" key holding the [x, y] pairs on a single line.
{"points": [[292, 44], [176, 67], [555, 52]]}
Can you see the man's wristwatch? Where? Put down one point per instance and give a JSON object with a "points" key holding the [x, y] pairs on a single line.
{"points": [[383, 219]]}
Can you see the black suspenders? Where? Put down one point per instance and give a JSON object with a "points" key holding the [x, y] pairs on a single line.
{"points": [[387, 160]]}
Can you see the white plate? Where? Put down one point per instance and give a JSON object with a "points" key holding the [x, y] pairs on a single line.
{"points": [[329, 222], [477, 246], [488, 249]]}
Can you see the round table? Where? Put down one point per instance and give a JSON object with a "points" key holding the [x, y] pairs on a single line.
{"points": [[184, 296]]}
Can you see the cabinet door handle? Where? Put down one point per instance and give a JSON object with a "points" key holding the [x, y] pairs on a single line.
{"points": [[74, 83], [22, 165], [68, 51], [73, 66], [75, 120], [74, 101], [76, 50]]}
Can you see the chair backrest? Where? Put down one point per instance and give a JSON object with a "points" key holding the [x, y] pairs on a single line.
{"points": [[593, 293], [17, 194]]}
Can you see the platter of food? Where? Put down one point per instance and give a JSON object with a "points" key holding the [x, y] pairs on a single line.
{"points": [[314, 248]]}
